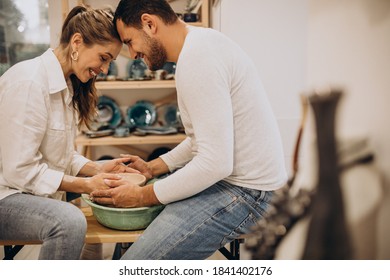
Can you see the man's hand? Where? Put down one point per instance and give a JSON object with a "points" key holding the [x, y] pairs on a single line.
{"points": [[125, 195], [137, 163], [117, 166]]}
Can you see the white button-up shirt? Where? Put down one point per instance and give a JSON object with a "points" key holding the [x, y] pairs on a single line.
{"points": [[37, 128]]}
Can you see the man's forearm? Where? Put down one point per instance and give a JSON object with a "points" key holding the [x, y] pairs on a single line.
{"points": [[158, 167], [148, 197]]}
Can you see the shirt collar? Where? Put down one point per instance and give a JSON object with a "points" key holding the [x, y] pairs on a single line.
{"points": [[55, 74]]}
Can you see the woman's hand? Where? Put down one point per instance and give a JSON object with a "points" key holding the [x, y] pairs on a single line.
{"points": [[117, 166], [98, 182], [137, 163]]}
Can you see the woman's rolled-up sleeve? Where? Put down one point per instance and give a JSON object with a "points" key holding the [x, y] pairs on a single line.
{"points": [[78, 161]]}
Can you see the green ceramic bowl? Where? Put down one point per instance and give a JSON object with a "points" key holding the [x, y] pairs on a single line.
{"points": [[123, 218]]}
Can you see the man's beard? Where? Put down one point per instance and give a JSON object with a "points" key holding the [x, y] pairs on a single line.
{"points": [[157, 55]]}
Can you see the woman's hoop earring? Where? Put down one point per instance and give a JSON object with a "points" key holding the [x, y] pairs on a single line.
{"points": [[74, 55]]}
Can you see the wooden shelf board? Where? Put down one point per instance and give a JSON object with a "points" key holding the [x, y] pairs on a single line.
{"points": [[130, 140], [149, 84]]}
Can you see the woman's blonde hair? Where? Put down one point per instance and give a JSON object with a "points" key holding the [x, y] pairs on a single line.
{"points": [[96, 27]]}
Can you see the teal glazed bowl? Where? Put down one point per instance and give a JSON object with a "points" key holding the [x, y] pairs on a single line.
{"points": [[123, 218]]}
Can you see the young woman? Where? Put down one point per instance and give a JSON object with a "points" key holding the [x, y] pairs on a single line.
{"points": [[42, 101]]}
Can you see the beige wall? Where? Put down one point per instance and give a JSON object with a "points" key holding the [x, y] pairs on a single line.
{"points": [[302, 45], [274, 34], [349, 46]]}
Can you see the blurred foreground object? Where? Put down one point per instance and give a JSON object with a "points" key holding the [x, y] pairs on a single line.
{"points": [[327, 235]]}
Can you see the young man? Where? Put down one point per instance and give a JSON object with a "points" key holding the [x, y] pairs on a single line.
{"points": [[223, 174]]}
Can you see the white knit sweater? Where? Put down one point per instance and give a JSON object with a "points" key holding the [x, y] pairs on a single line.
{"points": [[231, 129]]}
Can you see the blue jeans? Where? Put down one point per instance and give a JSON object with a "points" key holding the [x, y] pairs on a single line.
{"points": [[60, 225], [196, 227]]}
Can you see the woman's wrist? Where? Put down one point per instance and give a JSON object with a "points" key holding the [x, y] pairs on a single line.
{"points": [[90, 169], [75, 184], [87, 185]]}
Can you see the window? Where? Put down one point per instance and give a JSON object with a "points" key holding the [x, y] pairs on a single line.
{"points": [[24, 31]]}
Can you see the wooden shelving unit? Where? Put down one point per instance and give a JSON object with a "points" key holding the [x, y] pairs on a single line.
{"points": [[86, 144]]}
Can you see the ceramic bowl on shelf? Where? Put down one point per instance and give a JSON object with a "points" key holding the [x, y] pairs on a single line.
{"points": [[136, 69], [170, 67], [112, 73], [122, 131], [168, 115], [141, 114]]}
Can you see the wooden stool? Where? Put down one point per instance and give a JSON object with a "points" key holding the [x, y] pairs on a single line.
{"points": [[96, 234], [99, 234], [233, 253]]}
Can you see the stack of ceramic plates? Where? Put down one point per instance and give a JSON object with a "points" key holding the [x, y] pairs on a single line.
{"points": [[147, 119], [109, 113]]}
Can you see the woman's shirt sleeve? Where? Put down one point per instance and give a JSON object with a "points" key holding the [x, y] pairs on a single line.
{"points": [[24, 116]]}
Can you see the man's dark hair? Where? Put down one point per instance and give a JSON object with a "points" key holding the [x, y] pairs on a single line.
{"points": [[130, 11]]}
